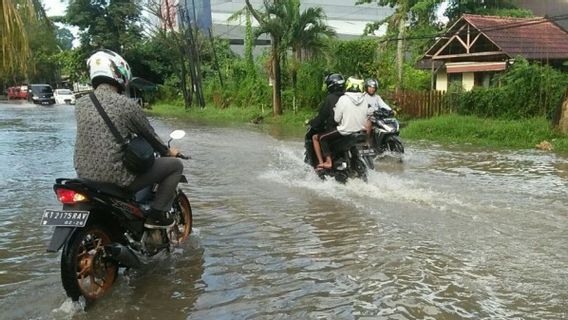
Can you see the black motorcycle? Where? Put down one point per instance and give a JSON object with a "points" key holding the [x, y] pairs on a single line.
{"points": [[346, 159], [384, 138], [101, 228]]}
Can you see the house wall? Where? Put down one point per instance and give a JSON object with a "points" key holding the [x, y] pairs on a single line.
{"points": [[468, 81], [442, 81]]}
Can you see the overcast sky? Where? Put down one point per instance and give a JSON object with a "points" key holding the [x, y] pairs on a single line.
{"points": [[54, 7]]}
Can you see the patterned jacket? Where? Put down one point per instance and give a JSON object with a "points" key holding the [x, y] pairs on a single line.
{"points": [[98, 155]]}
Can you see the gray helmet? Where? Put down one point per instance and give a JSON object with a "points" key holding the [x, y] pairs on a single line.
{"points": [[371, 83]]}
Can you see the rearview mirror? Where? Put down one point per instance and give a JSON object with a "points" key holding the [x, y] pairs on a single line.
{"points": [[177, 134]]}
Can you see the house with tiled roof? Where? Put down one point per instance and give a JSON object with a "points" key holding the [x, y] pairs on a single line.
{"points": [[475, 48]]}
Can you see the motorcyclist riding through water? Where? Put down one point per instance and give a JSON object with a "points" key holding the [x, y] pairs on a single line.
{"points": [[97, 153], [351, 112]]}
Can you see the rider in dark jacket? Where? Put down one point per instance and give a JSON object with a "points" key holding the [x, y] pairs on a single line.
{"points": [[335, 84], [324, 121]]}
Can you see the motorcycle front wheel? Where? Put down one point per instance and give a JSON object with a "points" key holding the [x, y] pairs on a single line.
{"points": [[394, 144], [183, 217], [86, 269]]}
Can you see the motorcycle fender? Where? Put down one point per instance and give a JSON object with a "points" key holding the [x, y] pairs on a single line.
{"points": [[59, 237]]}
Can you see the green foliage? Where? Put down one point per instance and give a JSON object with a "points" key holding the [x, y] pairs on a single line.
{"points": [[72, 65], [239, 89], [504, 8], [111, 24], [309, 87], [64, 38], [353, 57], [526, 90]]}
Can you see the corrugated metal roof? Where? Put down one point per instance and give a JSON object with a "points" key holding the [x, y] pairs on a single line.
{"points": [[532, 38]]}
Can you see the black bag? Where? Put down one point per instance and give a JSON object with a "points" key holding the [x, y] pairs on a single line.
{"points": [[138, 154]]}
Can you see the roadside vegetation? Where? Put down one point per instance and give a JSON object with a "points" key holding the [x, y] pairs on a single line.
{"points": [[283, 85], [446, 129]]}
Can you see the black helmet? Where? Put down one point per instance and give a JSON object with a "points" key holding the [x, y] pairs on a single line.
{"points": [[334, 82], [371, 83]]}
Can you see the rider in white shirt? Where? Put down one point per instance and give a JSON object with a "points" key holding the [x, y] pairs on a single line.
{"points": [[352, 113], [374, 101]]}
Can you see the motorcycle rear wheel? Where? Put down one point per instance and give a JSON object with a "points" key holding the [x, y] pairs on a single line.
{"points": [[361, 169], [86, 270], [184, 219]]}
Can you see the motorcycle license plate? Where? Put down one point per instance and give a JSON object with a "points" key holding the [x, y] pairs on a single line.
{"points": [[64, 218]]}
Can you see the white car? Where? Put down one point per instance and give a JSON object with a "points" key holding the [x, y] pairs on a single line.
{"points": [[64, 96]]}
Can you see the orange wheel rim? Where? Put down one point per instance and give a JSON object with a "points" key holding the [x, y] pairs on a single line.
{"points": [[95, 275], [181, 231]]}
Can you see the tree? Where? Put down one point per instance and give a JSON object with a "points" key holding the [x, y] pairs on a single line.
{"points": [[15, 15], [456, 8], [110, 24], [64, 38], [412, 12], [308, 30], [307, 36], [273, 22]]}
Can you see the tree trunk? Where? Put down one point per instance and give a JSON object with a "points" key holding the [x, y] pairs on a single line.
{"points": [[563, 118], [183, 76], [400, 52], [277, 85]]}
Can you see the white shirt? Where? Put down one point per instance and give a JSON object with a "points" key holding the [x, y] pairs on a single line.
{"points": [[351, 112], [375, 102]]}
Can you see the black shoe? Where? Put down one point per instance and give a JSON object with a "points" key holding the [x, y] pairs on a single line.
{"points": [[157, 220]]}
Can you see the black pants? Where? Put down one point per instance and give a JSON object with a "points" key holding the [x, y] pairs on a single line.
{"points": [[166, 172], [326, 139]]}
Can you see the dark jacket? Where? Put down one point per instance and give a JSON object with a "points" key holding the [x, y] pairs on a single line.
{"points": [[324, 120], [98, 155]]}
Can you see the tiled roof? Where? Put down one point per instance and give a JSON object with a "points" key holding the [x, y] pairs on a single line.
{"points": [[532, 38]]}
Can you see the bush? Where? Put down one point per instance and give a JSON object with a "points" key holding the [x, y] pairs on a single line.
{"points": [[524, 91]]}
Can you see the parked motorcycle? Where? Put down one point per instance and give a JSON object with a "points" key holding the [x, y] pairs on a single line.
{"points": [[101, 228], [384, 137], [346, 159]]}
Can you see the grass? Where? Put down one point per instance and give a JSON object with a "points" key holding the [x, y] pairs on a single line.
{"points": [[515, 134], [447, 129]]}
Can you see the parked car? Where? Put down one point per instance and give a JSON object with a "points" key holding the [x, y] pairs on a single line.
{"points": [[17, 92], [41, 94], [64, 96]]}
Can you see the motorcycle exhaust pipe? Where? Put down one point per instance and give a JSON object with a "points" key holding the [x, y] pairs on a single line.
{"points": [[124, 255]]}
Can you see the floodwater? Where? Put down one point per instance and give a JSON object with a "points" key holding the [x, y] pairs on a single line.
{"points": [[450, 233]]}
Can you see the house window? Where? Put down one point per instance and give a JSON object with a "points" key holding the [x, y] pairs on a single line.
{"points": [[455, 79], [484, 79]]}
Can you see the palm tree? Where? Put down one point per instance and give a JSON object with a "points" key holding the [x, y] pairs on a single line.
{"points": [[287, 27], [307, 36], [308, 31], [273, 22]]}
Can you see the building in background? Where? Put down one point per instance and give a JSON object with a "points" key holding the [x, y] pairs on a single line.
{"points": [[477, 47], [348, 20]]}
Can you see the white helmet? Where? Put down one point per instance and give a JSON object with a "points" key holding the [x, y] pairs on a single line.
{"points": [[106, 66]]}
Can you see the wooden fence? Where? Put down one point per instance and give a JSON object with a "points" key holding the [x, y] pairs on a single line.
{"points": [[422, 104]]}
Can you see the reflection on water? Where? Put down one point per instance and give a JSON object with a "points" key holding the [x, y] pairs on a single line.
{"points": [[447, 234]]}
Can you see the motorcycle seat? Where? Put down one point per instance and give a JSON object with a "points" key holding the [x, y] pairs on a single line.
{"points": [[108, 188]]}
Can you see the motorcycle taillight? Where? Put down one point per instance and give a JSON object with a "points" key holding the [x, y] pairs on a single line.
{"points": [[67, 196]]}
